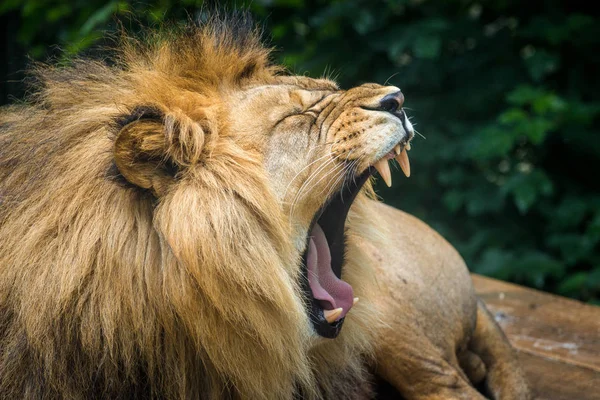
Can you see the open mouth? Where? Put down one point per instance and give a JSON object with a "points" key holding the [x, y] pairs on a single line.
{"points": [[329, 297]]}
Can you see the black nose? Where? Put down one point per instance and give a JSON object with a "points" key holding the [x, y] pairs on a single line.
{"points": [[392, 102]]}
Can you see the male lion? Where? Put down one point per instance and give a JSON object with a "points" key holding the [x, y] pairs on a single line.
{"points": [[191, 222]]}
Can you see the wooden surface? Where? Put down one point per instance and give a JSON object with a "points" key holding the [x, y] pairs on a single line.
{"points": [[558, 339]]}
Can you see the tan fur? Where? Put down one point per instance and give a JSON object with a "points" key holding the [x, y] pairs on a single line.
{"points": [[438, 340], [153, 214]]}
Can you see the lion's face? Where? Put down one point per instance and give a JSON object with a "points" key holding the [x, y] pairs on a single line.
{"points": [[311, 147], [320, 146]]}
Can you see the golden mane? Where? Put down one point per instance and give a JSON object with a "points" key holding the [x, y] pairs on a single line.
{"points": [[107, 292]]}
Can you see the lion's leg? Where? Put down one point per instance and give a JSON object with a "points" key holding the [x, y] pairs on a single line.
{"points": [[420, 372], [473, 366], [505, 379]]}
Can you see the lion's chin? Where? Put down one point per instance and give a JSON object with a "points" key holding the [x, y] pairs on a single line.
{"points": [[329, 297]]}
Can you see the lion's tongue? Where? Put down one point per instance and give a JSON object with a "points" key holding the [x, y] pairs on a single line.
{"points": [[331, 291]]}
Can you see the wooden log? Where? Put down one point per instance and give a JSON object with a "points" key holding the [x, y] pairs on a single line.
{"points": [[558, 339]]}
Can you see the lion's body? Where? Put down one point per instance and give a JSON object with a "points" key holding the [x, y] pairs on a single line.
{"points": [[426, 294], [180, 280]]}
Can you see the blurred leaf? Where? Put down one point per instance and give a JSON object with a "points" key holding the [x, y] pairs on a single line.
{"points": [[453, 200], [495, 263], [569, 213], [490, 142], [573, 247], [479, 201], [526, 188], [428, 47], [513, 116], [55, 13], [573, 284], [535, 268], [9, 5], [100, 16], [548, 103], [364, 22], [524, 94], [541, 64]]}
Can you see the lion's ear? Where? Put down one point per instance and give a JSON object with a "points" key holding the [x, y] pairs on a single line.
{"points": [[141, 150]]}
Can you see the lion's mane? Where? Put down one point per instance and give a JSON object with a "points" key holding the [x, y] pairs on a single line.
{"points": [[106, 291]]}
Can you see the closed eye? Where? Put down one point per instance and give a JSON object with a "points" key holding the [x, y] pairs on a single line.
{"points": [[315, 108], [311, 114], [316, 102], [312, 111]]}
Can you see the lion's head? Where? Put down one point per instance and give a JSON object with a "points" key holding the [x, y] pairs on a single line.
{"points": [[176, 224]]}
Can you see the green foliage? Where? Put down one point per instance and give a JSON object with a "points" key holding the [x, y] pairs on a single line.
{"points": [[505, 93]]}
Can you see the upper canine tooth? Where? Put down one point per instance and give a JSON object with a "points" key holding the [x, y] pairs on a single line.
{"points": [[397, 149], [354, 301], [402, 159], [332, 315], [407, 146], [383, 168]]}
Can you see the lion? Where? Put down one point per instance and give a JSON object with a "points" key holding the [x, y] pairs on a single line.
{"points": [[189, 220]]}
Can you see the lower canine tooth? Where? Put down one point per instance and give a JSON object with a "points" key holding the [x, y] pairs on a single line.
{"points": [[402, 159], [383, 168], [332, 315], [354, 301]]}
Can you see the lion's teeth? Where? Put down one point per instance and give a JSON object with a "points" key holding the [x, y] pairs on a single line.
{"points": [[407, 147], [332, 315], [354, 301], [402, 159], [397, 149], [383, 168]]}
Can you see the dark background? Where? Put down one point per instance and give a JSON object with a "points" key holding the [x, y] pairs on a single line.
{"points": [[505, 93]]}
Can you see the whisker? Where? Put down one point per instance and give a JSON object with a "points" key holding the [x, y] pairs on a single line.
{"points": [[342, 172], [388, 79], [419, 133], [310, 177], [299, 194], [302, 170], [349, 173], [332, 183], [334, 171], [348, 167]]}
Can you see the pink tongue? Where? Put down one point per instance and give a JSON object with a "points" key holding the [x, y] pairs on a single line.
{"points": [[331, 292]]}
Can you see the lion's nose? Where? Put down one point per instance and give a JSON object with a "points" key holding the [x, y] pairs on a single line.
{"points": [[392, 102]]}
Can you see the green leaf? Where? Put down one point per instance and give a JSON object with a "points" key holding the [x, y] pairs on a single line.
{"points": [[56, 13], [526, 188], [83, 43], [574, 284], [574, 247], [524, 94], [513, 116], [535, 268], [541, 64], [9, 5], [427, 47], [364, 22], [496, 263], [537, 129], [453, 200], [490, 142], [548, 103], [99, 17]]}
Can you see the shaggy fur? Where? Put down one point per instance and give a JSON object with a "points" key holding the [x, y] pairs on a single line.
{"points": [[153, 215], [142, 251]]}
